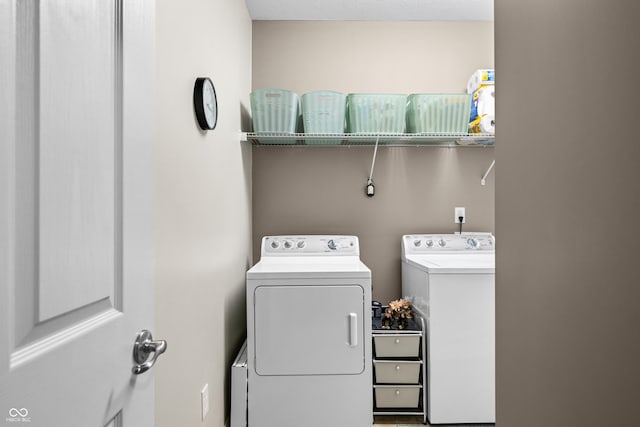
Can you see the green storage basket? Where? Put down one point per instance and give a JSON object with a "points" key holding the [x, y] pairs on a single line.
{"points": [[275, 111], [446, 113], [323, 111], [376, 113]]}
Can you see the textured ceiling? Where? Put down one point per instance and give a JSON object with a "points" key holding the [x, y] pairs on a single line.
{"points": [[372, 10]]}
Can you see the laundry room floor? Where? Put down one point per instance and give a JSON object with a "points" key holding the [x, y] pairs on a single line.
{"points": [[411, 421]]}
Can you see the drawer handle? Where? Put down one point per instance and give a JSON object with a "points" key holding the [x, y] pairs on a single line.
{"points": [[397, 392], [397, 340], [397, 367]]}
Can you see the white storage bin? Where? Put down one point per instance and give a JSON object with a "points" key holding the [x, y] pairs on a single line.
{"points": [[397, 372], [397, 346], [397, 396]]}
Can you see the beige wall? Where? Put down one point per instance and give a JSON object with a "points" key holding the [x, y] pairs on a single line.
{"points": [[309, 190], [203, 204], [567, 201]]}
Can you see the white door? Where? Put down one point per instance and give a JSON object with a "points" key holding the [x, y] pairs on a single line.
{"points": [[309, 330], [76, 271]]}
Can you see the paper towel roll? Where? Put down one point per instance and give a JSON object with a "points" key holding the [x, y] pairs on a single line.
{"points": [[480, 78], [483, 102], [484, 124]]}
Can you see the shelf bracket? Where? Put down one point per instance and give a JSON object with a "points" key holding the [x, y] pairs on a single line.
{"points": [[486, 174], [370, 189]]}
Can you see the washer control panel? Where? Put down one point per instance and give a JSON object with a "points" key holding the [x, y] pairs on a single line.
{"points": [[429, 243], [310, 245]]}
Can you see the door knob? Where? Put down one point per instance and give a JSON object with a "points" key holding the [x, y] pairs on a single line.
{"points": [[142, 349]]}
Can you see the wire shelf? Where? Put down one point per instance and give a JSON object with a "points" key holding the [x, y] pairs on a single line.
{"points": [[368, 139]]}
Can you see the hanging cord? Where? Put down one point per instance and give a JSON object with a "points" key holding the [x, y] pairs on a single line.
{"points": [[371, 189], [486, 174], [460, 218]]}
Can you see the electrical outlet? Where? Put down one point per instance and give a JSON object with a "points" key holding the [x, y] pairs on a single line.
{"points": [[204, 398], [459, 212]]}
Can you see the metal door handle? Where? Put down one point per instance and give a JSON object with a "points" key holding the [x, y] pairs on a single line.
{"points": [[142, 348]]}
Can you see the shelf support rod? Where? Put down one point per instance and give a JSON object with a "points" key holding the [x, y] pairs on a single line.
{"points": [[484, 177], [370, 189]]}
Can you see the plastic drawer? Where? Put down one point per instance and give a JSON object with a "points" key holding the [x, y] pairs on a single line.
{"points": [[397, 372], [397, 396], [397, 345]]}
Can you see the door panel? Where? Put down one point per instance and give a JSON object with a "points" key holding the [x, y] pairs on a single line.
{"points": [[309, 330], [68, 220], [76, 146], [76, 212]]}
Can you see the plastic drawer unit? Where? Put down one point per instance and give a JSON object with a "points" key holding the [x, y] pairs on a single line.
{"points": [[399, 373]]}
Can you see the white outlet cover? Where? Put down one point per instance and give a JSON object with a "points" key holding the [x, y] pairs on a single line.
{"points": [[457, 213], [204, 397]]}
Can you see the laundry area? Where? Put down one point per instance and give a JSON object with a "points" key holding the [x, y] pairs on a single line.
{"points": [[299, 213], [429, 356], [371, 142], [225, 190]]}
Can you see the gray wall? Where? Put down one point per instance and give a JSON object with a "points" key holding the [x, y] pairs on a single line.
{"points": [[203, 205], [316, 190], [567, 200]]}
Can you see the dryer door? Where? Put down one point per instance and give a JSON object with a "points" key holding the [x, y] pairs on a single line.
{"points": [[309, 330]]}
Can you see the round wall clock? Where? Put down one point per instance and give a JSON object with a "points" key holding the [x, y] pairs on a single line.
{"points": [[205, 103]]}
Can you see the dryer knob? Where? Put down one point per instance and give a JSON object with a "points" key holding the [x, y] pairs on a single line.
{"points": [[275, 244], [417, 243], [442, 243], [288, 244], [429, 243], [301, 244], [473, 243]]}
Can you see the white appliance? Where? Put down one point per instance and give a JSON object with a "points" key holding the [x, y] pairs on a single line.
{"points": [[309, 334], [450, 279], [238, 416]]}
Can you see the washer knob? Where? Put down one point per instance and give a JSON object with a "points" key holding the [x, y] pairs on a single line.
{"points": [[442, 243], [288, 244], [417, 243], [430, 243], [332, 245], [473, 243], [301, 244], [275, 244]]}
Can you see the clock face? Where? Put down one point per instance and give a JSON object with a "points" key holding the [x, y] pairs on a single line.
{"points": [[205, 103], [210, 103]]}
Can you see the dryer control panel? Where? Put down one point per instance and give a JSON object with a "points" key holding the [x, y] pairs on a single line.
{"points": [[310, 245], [431, 243]]}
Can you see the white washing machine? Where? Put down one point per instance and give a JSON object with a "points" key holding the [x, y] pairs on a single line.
{"points": [[451, 280], [309, 334]]}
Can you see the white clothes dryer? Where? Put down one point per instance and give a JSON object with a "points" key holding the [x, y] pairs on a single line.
{"points": [[450, 278], [309, 334]]}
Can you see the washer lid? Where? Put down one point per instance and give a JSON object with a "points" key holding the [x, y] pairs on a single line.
{"points": [[463, 263]]}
